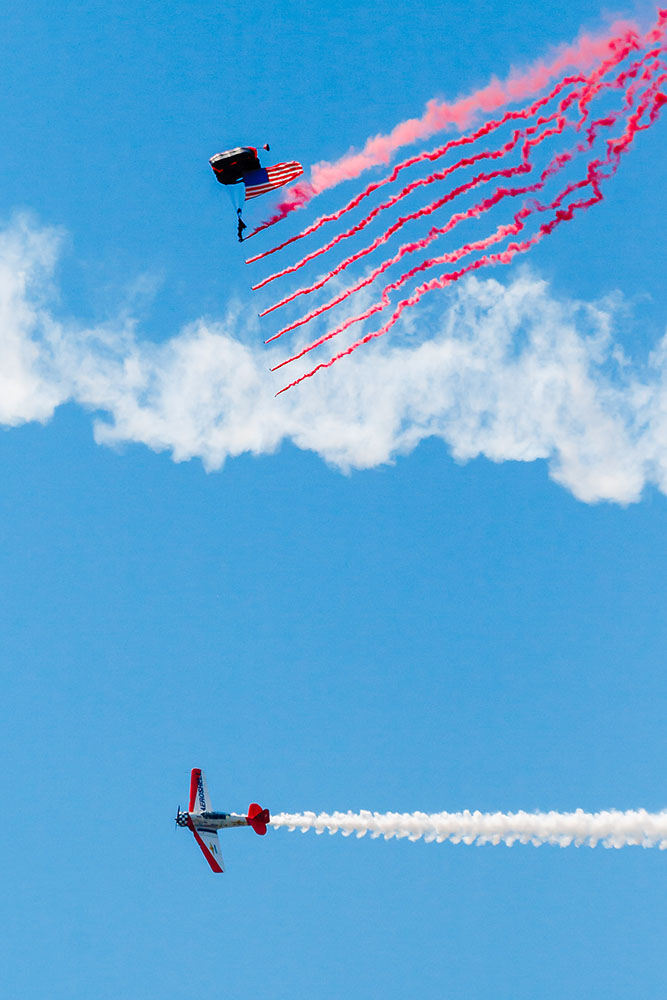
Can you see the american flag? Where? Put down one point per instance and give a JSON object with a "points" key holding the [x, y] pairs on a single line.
{"points": [[260, 181]]}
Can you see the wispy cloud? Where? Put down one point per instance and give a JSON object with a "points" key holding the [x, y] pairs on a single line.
{"points": [[510, 372]]}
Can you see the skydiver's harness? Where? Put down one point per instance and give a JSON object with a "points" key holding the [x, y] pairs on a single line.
{"points": [[241, 225]]}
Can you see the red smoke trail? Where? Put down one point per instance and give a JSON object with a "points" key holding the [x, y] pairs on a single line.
{"points": [[584, 96], [511, 229], [594, 178], [476, 210], [506, 172], [413, 186], [432, 155], [616, 148], [501, 233], [619, 52], [439, 115]]}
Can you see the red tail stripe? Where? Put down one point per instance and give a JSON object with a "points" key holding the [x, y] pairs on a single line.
{"points": [[194, 784]]}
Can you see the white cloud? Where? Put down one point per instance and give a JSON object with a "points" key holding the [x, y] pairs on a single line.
{"points": [[27, 389], [509, 372]]}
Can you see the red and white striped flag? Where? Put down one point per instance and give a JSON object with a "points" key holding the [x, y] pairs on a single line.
{"points": [[267, 178]]}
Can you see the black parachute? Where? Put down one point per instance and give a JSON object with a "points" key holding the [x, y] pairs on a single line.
{"points": [[230, 166]]}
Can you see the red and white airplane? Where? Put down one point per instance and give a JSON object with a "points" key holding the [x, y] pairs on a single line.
{"points": [[205, 823]]}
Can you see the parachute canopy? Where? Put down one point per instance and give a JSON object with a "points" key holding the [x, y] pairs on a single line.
{"points": [[230, 166], [242, 164]]}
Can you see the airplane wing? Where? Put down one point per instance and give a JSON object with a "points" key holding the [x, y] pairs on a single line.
{"points": [[210, 846]]}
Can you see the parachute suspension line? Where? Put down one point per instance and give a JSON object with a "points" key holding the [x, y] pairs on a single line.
{"points": [[236, 193]]}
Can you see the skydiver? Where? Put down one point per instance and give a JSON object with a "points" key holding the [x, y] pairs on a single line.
{"points": [[241, 225]]}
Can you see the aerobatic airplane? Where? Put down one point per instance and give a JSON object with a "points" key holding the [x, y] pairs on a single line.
{"points": [[205, 823]]}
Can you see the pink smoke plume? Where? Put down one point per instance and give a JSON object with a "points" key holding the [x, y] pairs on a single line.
{"points": [[501, 233], [654, 98], [474, 212], [518, 86], [619, 52], [506, 173], [435, 154], [440, 175]]}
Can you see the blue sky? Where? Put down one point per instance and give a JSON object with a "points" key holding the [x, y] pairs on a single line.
{"points": [[349, 613]]}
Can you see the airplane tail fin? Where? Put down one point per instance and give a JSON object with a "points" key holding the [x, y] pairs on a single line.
{"points": [[200, 800], [258, 818]]}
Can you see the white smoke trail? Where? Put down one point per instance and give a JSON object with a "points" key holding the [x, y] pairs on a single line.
{"points": [[611, 828]]}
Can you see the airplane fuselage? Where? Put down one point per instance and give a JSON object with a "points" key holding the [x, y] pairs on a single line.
{"points": [[211, 820]]}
